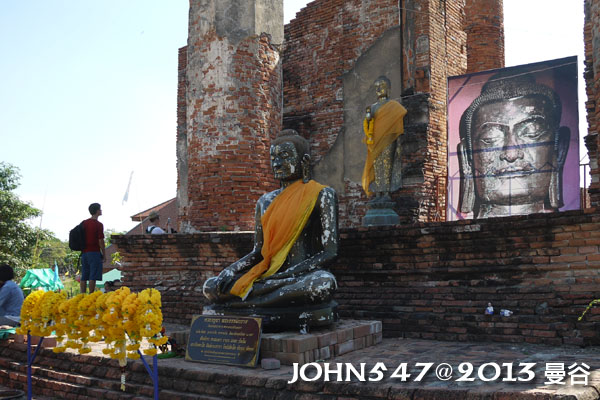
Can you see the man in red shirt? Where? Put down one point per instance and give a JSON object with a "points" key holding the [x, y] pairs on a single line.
{"points": [[92, 256]]}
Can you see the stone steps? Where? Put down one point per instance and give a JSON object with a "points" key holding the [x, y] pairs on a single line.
{"points": [[68, 376], [81, 377], [65, 385]]}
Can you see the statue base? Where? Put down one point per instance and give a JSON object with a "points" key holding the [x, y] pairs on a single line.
{"points": [[280, 319], [338, 339], [342, 337], [380, 213]]}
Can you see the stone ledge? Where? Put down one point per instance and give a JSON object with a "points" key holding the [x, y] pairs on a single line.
{"points": [[49, 341], [342, 337], [179, 380]]}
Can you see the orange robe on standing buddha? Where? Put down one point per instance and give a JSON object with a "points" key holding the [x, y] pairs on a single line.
{"points": [[385, 127]]}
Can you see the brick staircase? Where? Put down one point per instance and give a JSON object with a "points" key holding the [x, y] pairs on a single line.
{"points": [[93, 376], [71, 376], [80, 377]]}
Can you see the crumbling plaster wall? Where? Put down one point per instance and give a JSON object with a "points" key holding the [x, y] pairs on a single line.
{"points": [[334, 50]]}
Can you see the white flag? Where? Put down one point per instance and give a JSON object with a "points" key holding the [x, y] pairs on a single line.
{"points": [[126, 196]]}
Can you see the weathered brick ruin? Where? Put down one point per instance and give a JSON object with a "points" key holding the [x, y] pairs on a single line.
{"points": [[229, 108], [326, 46], [592, 80], [426, 278], [484, 26]]}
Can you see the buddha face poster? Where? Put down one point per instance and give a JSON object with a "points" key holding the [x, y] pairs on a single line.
{"points": [[513, 141]]}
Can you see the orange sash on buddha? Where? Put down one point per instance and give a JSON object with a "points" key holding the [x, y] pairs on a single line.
{"points": [[282, 223], [388, 125]]}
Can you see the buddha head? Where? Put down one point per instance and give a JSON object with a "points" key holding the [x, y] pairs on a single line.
{"points": [[382, 87], [290, 158], [512, 149]]}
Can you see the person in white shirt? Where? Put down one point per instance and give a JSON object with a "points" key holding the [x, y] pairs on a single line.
{"points": [[153, 228]]}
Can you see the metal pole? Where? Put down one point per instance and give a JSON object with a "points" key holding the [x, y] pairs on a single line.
{"points": [[152, 372], [28, 366], [155, 375], [30, 360]]}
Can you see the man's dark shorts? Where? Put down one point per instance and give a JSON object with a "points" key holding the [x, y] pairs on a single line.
{"points": [[91, 266]]}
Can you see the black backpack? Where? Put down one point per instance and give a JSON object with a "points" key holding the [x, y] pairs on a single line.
{"points": [[77, 238]]}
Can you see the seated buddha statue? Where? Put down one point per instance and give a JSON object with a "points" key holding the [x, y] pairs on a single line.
{"points": [[282, 279]]}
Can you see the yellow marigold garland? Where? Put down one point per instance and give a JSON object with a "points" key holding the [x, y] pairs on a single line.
{"points": [[368, 128], [73, 333], [61, 325], [86, 309], [149, 319], [28, 311], [49, 309], [121, 318]]}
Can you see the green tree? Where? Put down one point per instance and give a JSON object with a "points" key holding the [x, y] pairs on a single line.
{"points": [[50, 250], [108, 235], [115, 258], [17, 237], [55, 250], [71, 262]]}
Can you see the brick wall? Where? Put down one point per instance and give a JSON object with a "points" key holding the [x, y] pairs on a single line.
{"points": [[232, 111], [321, 44], [484, 25], [324, 42], [447, 57], [181, 144], [178, 265], [427, 280], [591, 32], [434, 280]]}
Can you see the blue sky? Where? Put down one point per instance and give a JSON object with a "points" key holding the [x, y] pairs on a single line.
{"points": [[88, 95]]}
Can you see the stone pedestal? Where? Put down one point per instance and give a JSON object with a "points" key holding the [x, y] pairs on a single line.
{"points": [[280, 319], [380, 213], [321, 344]]}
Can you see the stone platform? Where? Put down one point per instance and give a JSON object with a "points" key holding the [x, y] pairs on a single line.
{"points": [[341, 338], [71, 376], [321, 344]]}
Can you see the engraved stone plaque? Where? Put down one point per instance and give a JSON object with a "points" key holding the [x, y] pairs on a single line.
{"points": [[223, 339]]}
